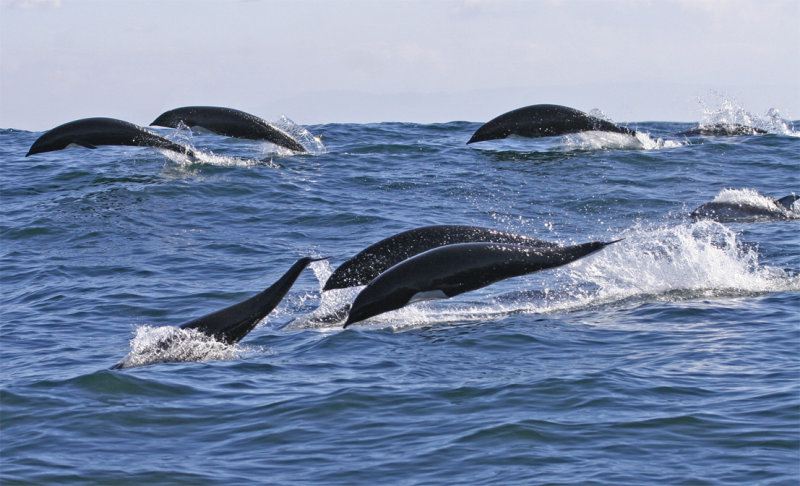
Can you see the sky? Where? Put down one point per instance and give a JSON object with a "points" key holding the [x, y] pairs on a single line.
{"points": [[365, 61]]}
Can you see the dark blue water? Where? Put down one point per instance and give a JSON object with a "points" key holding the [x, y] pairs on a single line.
{"points": [[670, 357]]}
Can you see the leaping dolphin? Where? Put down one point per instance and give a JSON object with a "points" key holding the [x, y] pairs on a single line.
{"points": [[543, 121], [93, 132], [451, 270], [376, 258], [721, 130], [231, 324], [228, 122], [768, 209]]}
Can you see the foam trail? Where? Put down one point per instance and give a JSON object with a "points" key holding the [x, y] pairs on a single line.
{"points": [[701, 260], [593, 140]]}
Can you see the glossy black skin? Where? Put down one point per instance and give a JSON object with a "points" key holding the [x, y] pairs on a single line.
{"points": [[455, 269], [721, 130], [228, 122], [543, 121], [231, 324], [93, 132], [726, 212], [373, 260]]}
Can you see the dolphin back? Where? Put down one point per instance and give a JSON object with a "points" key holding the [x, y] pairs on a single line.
{"points": [[376, 258], [788, 201], [231, 324], [721, 130], [228, 122], [93, 132], [542, 121]]}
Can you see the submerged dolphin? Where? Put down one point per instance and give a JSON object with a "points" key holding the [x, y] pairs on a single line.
{"points": [[231, 324], [720, 130], [228, 122], [454, 269], [543, 121], [93, 132], [745, 211], [373, 260]]}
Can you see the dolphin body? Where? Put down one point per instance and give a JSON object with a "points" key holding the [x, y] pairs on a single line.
{"points": [[231, 324], [736, 212], [721, 130], [451, 270], [543, 121], [373, 260], [93, 132], [228, 122]]}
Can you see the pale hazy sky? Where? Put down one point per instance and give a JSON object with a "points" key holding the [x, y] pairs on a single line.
{"points": [[380, 60]]}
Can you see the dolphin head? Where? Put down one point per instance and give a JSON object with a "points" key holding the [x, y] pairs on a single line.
{"points": [[374, 300]]}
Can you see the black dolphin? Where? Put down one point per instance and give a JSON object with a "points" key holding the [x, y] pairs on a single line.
{"points": [[93, 132], [742, 212], [721, 130], [373, 260], [231, 324], [228, 122], [454, 269], [543, 121]]}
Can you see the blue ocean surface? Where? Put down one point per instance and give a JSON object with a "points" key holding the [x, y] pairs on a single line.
{"points": [[670, 357]]}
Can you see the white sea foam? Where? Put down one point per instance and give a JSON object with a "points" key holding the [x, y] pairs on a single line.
{"points": [[727, 111], [596, 140], [167, 344], [705, 259], [754, 199]]}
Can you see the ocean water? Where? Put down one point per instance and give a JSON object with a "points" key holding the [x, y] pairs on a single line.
{"points": [[670, 357]]}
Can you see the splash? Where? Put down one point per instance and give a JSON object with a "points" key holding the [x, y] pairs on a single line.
{"points": [[704, 259], [748, 197], [333, 306], [300, 133], [594, 140], [727, 111], [166, 344], [746, 205]]}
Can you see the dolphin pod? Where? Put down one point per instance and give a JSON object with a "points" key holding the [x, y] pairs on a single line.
{"points": [[228, 122], [451, 270], [733, 211], [93, 132], [373, 260], [231, 324], [542, 121]]}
